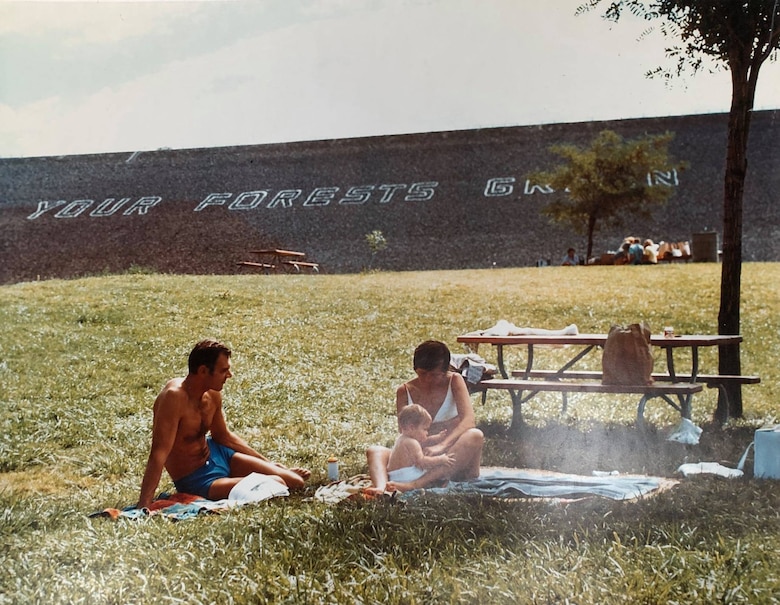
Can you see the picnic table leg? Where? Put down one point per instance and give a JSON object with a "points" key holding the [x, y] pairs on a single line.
{"points": [[722, 411], [684, 400], [640, 412], [670, 363], [517, 411], [566, 366], [500, 360], [575, 359], [684, 408], [530, 361], [687, 406]]}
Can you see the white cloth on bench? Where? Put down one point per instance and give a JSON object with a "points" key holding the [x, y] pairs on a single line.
{"points": [[506, 328]]}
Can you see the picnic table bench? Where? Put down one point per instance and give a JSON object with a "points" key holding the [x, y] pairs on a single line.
{"points": [[709, 380], [297, 265], [525, 384], [683, 390], [266, 267]]}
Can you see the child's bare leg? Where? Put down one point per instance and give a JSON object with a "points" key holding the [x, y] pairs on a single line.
{"points": [[433, 476]]}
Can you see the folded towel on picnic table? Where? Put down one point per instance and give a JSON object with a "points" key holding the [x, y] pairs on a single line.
{"points": [[506, 328], [177, 507]]}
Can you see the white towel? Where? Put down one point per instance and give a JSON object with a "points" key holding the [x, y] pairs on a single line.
{"points": [[256, 487], [506, 328]]}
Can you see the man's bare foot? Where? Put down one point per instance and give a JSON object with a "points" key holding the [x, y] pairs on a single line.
{"points": [[302, 472]]}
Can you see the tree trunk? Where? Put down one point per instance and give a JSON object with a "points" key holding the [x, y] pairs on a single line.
{"points": [[591, 230], [743, 92]]}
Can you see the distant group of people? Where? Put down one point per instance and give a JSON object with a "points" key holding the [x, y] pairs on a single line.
{"points": [[633, 252], [438, 437]]}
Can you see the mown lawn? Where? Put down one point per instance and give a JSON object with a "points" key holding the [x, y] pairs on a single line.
{"points": [[316, 360]]}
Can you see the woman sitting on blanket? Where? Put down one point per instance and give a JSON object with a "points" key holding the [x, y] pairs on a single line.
{"points": [[443, 394]]}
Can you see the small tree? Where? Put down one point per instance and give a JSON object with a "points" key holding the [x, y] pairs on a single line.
{"points": [[376, 243], [607, 181]]}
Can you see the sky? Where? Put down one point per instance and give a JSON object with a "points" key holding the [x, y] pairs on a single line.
{"points": [[108, 76]]}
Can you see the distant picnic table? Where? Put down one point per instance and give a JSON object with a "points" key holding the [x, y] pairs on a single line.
{"points": [[274, 260]]}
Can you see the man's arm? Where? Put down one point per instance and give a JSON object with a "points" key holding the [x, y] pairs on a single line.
{"points": [[166, 421]]}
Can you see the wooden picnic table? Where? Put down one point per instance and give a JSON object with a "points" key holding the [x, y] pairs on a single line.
{"points": [[277, 256], [285, 260], [550, 379]]}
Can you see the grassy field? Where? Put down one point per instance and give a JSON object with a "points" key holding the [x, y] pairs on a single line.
{"points": [[316, 360]]}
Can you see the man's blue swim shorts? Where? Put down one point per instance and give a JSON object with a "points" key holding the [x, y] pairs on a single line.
{"points": [[217, 466]]}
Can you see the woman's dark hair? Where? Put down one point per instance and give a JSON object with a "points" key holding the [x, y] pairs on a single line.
{"points": [[206, 353], [432, 355]]}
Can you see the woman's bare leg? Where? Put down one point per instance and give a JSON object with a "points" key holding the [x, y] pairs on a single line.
{"points": [[377, 457], [467, 451]]}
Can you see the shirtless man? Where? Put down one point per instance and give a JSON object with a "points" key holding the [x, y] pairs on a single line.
{"points": [[184, 412]]}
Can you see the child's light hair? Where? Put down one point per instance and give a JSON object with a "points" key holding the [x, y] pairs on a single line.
{"points": [[413, 416]]}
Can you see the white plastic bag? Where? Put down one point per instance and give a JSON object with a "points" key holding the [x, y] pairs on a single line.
{"points": [[686, 432]]}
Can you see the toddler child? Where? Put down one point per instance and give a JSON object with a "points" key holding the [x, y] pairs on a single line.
{"points": [[409, 468]]}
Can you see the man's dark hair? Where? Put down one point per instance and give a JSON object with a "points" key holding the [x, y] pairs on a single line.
{"points": [[432, 355], [206, 353]]}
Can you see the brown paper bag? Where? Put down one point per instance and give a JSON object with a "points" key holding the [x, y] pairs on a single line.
{"points": [[627, 357]]}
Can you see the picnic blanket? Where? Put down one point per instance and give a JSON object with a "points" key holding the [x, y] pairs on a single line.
{"points": [[177, 507], [524, 483], [499, 482]]}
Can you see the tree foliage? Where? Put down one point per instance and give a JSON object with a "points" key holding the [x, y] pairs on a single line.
{"points": [[607, 181], [740, 35], [376, 243]]}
